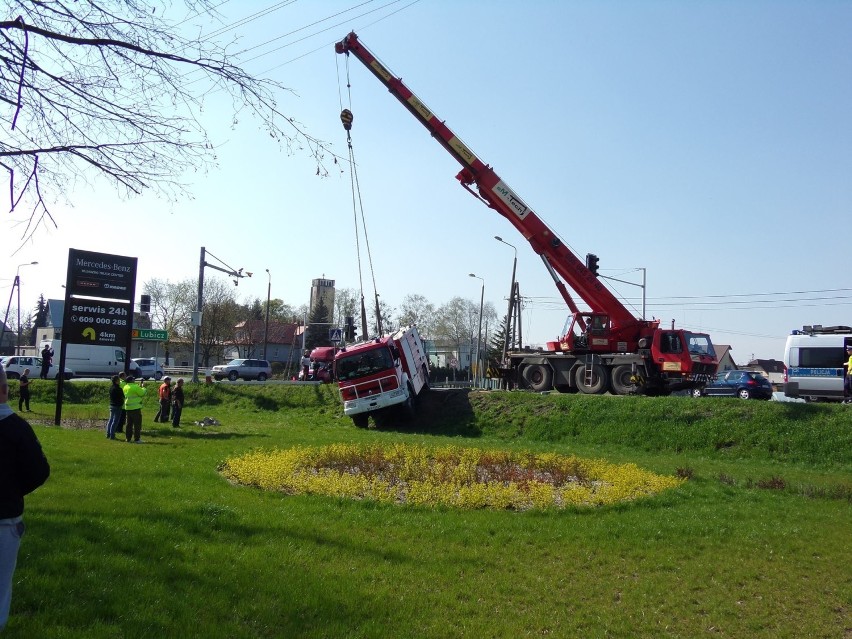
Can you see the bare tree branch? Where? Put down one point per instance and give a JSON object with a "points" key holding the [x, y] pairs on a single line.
{"points": [[115, 88]]}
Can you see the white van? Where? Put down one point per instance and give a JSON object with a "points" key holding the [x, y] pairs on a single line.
{"points": [[814, 360], [92, 360]]}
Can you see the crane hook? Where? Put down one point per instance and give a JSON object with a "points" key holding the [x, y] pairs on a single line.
{"points": [[346, 117]]}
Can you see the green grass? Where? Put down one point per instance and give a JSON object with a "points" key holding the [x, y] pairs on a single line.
{"points": [[150, 541]]}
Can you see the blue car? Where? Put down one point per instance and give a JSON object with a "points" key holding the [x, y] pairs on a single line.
{"points": [[742, 384]]}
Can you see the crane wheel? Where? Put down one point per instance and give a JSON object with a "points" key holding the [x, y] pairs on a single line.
{"points": [[538, 377], [621, 382], [599, 379]]}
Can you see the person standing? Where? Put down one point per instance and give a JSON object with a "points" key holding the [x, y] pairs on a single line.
{"points": [[133, 395], [23, 468], [46, 360], [165, 396], [116, 406], [177, 403], [847, 380], [306, 365], [122, 418], [24, 391]]}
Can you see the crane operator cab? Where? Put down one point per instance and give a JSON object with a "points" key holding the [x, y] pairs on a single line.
{"points": [[589, 330]]}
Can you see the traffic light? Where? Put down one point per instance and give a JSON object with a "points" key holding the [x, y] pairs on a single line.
{"points": [[592, 263], [145, 303], [349, 329]]}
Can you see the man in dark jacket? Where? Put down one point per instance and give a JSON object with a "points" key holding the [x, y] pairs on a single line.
{"points": [[23, 468], [46, 361]]}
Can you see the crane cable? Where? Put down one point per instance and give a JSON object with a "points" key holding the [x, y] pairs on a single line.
{"points": [[346, 118]]}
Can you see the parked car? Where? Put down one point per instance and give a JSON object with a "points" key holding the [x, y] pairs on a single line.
{"points": [[148, 368], [742, 384], [15, 365], [258, 369]]}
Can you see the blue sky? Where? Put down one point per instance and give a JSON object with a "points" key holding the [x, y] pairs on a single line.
{"points": [[709, 143]]}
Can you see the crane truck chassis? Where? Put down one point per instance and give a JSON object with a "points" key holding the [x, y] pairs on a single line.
{"points": [[605, 349]]}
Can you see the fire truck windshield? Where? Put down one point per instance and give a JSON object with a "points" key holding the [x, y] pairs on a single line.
{"points": [[363, 363]]}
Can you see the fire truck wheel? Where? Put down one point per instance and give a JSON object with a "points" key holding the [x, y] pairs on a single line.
{"points": [[621, 382], [360, 420], [538, 377], [599, 381], [425, 379], [408, 405]]}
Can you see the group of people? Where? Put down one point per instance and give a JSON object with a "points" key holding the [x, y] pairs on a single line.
{"points": [[125, 406]]}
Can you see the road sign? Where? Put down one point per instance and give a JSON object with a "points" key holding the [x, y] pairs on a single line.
{"points": [[150, 334], [335, 334]]}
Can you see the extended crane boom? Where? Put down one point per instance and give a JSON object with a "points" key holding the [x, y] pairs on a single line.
{"points": [[610, 329], [495, 193]]}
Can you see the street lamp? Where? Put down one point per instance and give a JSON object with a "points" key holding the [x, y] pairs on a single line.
{"points": [[266, 328], [511, 299], [479, 339], [15, 284]]}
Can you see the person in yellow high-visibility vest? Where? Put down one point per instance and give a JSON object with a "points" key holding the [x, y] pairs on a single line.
{"points": [[133, 395]]}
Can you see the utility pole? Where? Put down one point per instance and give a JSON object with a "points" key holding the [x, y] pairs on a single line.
{"points": [[196, 316], [266, 327], [479, 339]]}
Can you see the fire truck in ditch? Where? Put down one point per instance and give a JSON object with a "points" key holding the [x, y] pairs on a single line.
{"points": [[381, 375], [606, 348]]}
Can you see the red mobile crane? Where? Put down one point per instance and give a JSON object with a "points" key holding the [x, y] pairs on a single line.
{"points": [[606, 348]]}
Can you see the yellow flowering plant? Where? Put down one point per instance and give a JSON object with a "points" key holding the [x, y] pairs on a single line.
{"points": [[448, 476]]}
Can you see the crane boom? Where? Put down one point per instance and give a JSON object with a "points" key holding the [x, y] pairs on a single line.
{"points": [[496, 194]]}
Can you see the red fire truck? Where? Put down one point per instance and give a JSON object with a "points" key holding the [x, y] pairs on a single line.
{"points": [[381, 375], [606, 348]]}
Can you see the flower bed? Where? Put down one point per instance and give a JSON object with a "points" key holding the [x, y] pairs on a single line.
{"points": [[449, 476]]}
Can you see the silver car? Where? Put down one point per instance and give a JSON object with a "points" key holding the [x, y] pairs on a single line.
{"points": [[148, 368], [258, 369]]}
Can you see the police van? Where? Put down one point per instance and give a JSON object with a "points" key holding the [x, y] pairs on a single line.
{"points": [[814, 361]]}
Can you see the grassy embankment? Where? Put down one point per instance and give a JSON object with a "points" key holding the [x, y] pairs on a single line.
{"points": [[150, 541]]}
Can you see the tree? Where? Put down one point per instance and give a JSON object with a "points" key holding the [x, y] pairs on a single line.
{"points": [[387, 314], [455, 323], [494, 350], [347, 303], [278, 311], [318, 325], [172, 305], [40, 319], [114, 88], [416, 309], [171, 308], [255, 310], [220, 314]]}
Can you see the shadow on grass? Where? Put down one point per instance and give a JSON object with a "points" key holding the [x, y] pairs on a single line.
{"points": [[198, 433], [446, 412]]}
